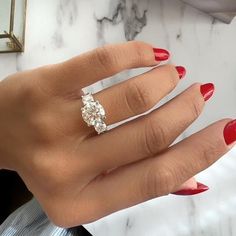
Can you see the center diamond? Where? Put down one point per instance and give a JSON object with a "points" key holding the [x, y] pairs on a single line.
{"points": [[93, 112]]}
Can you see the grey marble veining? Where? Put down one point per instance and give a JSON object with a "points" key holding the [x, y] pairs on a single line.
{"points": [[130, 13], [60, 29]]}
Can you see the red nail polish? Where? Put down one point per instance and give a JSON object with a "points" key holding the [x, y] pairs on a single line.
{"points": [[181, 70], [161, 54], [187, 192], [230, 132], [207, 91]]}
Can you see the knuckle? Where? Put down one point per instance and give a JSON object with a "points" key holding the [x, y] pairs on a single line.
{"points": [[167, 181], [195, 105], [138, 98], [210, 152], [196, 108], [105, 59], [194, 102], [154, 137], [173, 76], [206, 155], [141, 51], [158, 181]]}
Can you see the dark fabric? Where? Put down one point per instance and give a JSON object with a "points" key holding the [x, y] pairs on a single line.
{"points": [[81, 231], [13, 193]]}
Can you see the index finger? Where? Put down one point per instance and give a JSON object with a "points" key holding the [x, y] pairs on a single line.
{"points": [[104, 62]]}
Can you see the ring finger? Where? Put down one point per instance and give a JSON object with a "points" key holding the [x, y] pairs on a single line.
{"points": [[139, 94]]}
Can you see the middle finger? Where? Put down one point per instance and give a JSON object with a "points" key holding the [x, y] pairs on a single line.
{"points": [[139, 94], [148, 135]]}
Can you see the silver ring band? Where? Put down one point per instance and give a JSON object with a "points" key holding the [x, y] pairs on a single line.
{"points": [[93, 113]]}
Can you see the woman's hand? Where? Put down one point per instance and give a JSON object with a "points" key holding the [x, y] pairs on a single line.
{"points": [[79, 176]]}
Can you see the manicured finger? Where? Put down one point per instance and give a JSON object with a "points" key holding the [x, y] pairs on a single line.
{"points": [[158, 176], [189, 190], [189, 184], [103, 62], [191, 187], [139, 94], [148, 135]]}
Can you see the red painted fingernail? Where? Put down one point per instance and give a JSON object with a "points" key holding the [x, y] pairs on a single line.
{"points": [[187, 192], [230, 132], [181, 70], [161, 54], [207, 91]]}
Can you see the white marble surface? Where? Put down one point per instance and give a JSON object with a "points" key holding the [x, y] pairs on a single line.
{"points": [[60, 29]]}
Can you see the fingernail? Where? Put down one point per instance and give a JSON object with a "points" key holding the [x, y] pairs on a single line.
{"points": [[207, 91], [188, 192], [181, 70], [230, 132], [161, 54]]}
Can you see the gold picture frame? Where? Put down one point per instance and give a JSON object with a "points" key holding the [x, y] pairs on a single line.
{"points": [[10, 39]]}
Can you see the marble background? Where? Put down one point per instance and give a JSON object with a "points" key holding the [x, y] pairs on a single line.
{"points": [[60, 29]]}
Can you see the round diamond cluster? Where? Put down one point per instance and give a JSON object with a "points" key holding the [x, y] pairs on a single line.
{"points": [[93, 113]]}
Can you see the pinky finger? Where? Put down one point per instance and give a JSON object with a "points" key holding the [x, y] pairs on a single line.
{"points": [[191, 187]]}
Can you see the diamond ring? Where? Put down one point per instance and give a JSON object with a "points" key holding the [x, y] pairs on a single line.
{"points": [[93, 113]]}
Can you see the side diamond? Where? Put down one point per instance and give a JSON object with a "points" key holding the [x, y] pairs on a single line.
{"points": [[87, 98], [100, 127]]}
